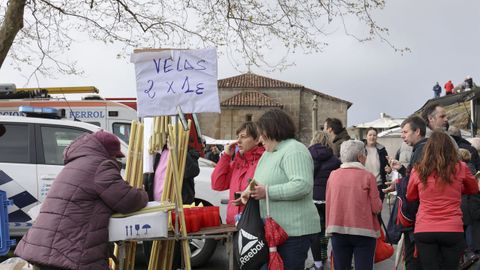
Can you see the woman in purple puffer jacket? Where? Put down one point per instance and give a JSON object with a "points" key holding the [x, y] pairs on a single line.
{"points": [[71, 231], [324, 162]]}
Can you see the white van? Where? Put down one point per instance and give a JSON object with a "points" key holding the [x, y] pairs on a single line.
{"points": [[109, 115]]}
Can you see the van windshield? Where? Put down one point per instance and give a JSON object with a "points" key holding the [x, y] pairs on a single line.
{"points": [[122, 130]]}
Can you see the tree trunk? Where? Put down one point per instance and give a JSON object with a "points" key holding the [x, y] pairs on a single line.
{"points": [[11, 24]]}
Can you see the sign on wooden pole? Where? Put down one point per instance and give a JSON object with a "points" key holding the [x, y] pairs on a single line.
{"points": [[167, 79]]}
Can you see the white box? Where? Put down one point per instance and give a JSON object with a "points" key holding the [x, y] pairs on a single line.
{"points": [[142, 226]]}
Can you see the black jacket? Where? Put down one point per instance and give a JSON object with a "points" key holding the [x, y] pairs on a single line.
{"points": [[417, 153], [192, 170], [471, 216], [464, 144], [324, 162]]}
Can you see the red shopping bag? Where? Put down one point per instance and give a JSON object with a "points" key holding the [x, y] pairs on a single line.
{"points": [[383, 250]]}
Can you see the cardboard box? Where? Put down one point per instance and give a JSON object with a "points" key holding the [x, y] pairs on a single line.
{"points": [[138, 227]]}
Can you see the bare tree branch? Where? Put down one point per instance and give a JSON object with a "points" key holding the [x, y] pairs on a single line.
{"points": [[42, 33]]}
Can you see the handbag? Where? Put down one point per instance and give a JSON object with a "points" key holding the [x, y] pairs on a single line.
{"points": [[383, 250], [249, 245]]}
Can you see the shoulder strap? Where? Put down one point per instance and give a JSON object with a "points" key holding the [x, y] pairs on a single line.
{"points": [[387, 237]]}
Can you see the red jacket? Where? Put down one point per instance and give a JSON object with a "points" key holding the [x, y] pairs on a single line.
{"points": [[234, 175], [71, 231], [439, 209], [448, 87]]}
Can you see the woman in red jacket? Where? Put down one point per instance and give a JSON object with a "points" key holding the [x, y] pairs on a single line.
{"points": [[234, 174], [439, 181]]}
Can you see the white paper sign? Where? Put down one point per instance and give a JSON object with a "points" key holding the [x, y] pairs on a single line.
{"points": [[170, 78]]}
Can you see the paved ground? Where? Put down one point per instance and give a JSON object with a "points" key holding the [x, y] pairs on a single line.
{"points": [[219, 259]]}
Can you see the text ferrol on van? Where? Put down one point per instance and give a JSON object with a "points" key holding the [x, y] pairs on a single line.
{"points": [[170, 78]]}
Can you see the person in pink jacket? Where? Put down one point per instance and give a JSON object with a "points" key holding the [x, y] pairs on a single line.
{"points": [[352, 205], [234, 174], [439, 181]]}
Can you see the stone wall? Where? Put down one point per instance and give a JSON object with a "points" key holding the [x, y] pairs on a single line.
{"points": [[297, 102]]}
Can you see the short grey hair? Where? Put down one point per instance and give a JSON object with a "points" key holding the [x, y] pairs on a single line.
{"points": [[350, 149]]}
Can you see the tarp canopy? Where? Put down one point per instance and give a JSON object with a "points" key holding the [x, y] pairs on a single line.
{"points": [[384, 122], [210, 140]]}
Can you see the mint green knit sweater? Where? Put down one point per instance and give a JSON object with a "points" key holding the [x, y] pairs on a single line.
{"points": [[288, 173]]}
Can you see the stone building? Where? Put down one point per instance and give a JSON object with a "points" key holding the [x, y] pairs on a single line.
{"points": [[246, 97]]}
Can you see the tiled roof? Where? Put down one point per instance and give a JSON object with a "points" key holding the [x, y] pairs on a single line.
{"points": [[250, 99], [251, 80], [328, 97]]}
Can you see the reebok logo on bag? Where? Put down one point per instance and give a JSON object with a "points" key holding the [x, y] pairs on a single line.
{"points": [[250, 248], [249, 245]]}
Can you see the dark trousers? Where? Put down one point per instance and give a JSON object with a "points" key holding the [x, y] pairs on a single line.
{"points": [[345, 246], [294, 251], [440, 250], [411, 263], [319, 244]]}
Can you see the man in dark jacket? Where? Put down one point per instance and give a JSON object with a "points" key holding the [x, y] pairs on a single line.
{"points": [[413, 133], [71, 231], [437, 90], [338, 134]]}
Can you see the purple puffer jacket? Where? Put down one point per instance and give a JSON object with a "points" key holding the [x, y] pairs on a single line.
{"points": [[71, 231]]}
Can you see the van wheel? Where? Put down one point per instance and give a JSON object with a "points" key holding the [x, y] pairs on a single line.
{"points": [[201, 250]]}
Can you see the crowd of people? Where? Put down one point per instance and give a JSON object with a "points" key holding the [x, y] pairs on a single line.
{"points": [[437, 180], [332, 190], [466, 85]]}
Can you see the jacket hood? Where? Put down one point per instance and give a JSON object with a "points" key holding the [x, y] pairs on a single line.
{"points": [[85, 145], [320, 152]]}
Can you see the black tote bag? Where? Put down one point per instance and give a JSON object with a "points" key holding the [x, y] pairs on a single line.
{"points": [[249, 245]]}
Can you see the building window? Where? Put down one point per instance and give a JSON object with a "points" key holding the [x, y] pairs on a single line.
{"points": [[248, 118]]}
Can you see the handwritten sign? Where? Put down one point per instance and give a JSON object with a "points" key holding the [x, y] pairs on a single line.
{"points": [[170, 78]]}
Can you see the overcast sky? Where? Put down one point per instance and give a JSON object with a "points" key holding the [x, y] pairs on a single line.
{"points": [[444, 37]]}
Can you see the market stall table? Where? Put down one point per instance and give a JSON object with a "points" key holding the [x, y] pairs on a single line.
{"points": [[224, 231]]}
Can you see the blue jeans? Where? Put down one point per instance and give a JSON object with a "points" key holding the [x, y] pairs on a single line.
{"points": [[294, 251], [345, 246]]}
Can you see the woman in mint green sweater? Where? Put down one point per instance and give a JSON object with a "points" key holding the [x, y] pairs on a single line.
{"points": [[285, 171]]}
